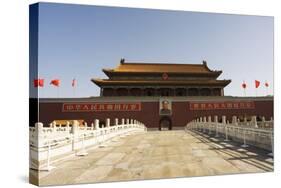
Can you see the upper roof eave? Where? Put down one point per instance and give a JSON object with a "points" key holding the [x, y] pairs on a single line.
{"points": [[101, 82]]}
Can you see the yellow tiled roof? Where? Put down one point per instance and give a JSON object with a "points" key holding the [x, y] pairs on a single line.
{"points": [[161, 67]]}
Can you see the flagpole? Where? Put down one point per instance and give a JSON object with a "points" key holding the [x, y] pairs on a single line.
{"points": [[57, 92], [74, 86], [42, 91], [266, 88], [73, 91]]}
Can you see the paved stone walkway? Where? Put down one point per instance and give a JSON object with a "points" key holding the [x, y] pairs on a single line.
{"points": [[158, 154]]}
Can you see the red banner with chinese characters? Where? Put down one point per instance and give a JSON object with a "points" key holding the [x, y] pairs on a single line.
{"points": [[99, 107], [221, 105]]}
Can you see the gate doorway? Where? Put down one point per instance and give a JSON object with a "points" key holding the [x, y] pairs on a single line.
{"points": [[165, 123]]}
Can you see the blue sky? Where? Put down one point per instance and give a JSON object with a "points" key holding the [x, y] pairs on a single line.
{"points": [[78, 41]]}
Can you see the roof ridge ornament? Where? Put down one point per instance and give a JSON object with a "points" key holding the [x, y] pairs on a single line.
{"points": [[122, 60], [204, 62]]}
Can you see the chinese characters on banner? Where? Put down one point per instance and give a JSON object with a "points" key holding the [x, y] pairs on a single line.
{"points": [[221, 105], [99, 107]]}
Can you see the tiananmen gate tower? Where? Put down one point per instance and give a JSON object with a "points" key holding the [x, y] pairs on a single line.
{"points": [[152, 79]]}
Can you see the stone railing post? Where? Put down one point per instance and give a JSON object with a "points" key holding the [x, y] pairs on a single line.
{"points": [[203, 122], [225, 127], [254, 121], [107, 122], [75, 134], [39, 134], [92, 126], [127, 121], [224, 120], [263, 121], [67, 124], [122, 121], [116, 121], [75, 126], [210, 123], [85, 125], [54, 124], [234, 120], [216, 119], [97, 124], [132, 122], [216, 124]]}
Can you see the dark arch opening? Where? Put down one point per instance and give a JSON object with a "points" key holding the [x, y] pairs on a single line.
{"points": [[165, 122]]}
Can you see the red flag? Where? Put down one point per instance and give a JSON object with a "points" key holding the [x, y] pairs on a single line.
{"points": [[55, 82], [244, 85], [257, 83], [266, 84], [73, 82], [38, 82]]}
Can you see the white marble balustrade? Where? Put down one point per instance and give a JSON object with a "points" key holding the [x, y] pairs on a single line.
{"points": [[55, 142]]}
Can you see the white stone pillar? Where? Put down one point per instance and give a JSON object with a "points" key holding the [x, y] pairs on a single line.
{"points": [[234, 120], [122, 121], [216, 124], [209, 119], [39, 134], [210, 124], [127, 121], [75, 126], [67, 124], [97, 124], [216, 119], [254, 121], [204, 123], [75, 133], [92, 126], [116, 121], [107, 123], [224, 120], [54, 126]]}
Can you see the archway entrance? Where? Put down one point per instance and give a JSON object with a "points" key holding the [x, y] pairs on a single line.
{"points": [[165, 123]]}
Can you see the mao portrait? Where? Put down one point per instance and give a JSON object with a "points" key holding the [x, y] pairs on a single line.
{"points": [[165, 107]]}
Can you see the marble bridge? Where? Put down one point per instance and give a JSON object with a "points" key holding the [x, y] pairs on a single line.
{"points": [[129, 152]]}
